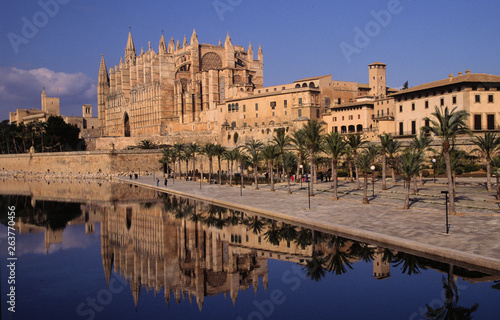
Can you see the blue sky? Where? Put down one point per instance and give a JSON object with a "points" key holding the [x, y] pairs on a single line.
{"points": [[59, 46]]}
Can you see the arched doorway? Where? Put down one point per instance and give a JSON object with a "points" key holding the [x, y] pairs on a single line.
{"points": [[126, 125]]}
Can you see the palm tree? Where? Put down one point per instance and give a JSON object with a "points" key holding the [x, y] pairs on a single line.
{"points": [[270, 154], [487, 147], [393, 147], [334, 146], [282, 141], [165, 159], [289, 162], [146, 144], [421, 144], [209, 151], [355, 142], [178, 150], [253, 148], [231, 157], [410, 163], [187, 155], [219, 152], [299, 144], [312, 133], [192, 149], [385, 141], [447, 125], [364, 161]]}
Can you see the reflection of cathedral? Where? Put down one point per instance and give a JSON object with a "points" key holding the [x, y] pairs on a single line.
{"points": [[151, 248]]}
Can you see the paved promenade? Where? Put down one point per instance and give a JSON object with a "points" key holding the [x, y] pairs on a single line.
{"points": [[474, 237]]}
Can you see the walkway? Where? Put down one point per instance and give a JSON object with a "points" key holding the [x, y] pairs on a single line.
{"points": [[473, 238]]}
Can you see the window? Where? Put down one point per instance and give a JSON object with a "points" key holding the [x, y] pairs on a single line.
{"points": [[285, 104], [267, 90], [378, 113], [229, 108], [442, 102], [387, 111], [334, 118], [273, 113], [256, 115], [300, 102], [339, 101], [237, 107], [327, 102], [244, 108], [401, 108], [350, 117], [400, 128], [275, 89], [490, 98], [300, 113], [359, 116], [282, 88], [454, 100], [490, 121], [285, 112], [427, 124], [256, 107], [478, 98], [317, 113], [426, 104], [413, 107], [342, 118], [273, 105], [477, 122], [413, 127]]}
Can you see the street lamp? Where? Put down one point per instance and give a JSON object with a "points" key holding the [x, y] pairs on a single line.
{"points": [[446, 203], [301, 174], [373, 180], [434, 168]]}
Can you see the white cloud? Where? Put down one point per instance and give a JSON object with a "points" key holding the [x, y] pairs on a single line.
{"points": [[22, 88]]}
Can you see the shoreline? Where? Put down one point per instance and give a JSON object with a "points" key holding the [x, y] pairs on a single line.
{"points": [[412, 225]]}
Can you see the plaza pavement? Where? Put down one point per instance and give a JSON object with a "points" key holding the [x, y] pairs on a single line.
{"points": [[473, 239]]}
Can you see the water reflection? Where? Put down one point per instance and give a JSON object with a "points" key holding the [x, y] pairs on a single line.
{"points": [[189, 249]]}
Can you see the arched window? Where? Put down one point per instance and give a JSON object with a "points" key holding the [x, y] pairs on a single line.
{"points": [[351, 129], [237, 106], [210, 61], [297, 85], [359, 128], [311, 85], [304, 85], [343, 129]]}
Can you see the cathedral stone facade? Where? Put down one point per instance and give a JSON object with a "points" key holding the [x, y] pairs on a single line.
{"points": [[175, 89]]}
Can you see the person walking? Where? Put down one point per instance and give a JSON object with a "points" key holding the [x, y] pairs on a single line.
{"points": [[165, 182], [157, 182]]}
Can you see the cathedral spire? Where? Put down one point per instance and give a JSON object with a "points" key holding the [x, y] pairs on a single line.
{"points": [[184, 42], [260, 55], [178, 46], [228, 42], [250, 51], [171, 45], [130, 53], [103, 72], [163, 46], [194, 38], [220, 43]]}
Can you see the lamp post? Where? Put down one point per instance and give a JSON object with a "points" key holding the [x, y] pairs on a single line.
{"points": [[373, 180], [309, 193], [241, 184], [301, 174], [434, 168]]}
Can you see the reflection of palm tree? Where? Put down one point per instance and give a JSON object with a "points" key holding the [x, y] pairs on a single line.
{"points": [[304, 237], [362, 250], [411, 264], [255, 224], [272, 235], [450, 309], [288, 232], [337, 260], [314, 267], [496, 285]]}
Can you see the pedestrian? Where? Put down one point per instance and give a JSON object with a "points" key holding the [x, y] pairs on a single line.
{"points": [[165, 182], [157, 182]]}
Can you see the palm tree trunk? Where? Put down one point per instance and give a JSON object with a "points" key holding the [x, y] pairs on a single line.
{"points": [[421, 174], [451, 189], [272, 175], [194, 168], [210, 168], [407, 199], [365, 191], [288, 180], [393, 172], [349, 164], [498, 188], [488, 175], [231, 175], [415, 187], [358, 185], [384, 171], [220, 177], [334, 177], [255, 176]]}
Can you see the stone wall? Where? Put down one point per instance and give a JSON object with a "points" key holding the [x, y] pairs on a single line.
{"points": [[106, 162]]}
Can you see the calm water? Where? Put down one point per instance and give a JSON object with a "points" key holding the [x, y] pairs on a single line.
{"points": [[136, 254]]}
